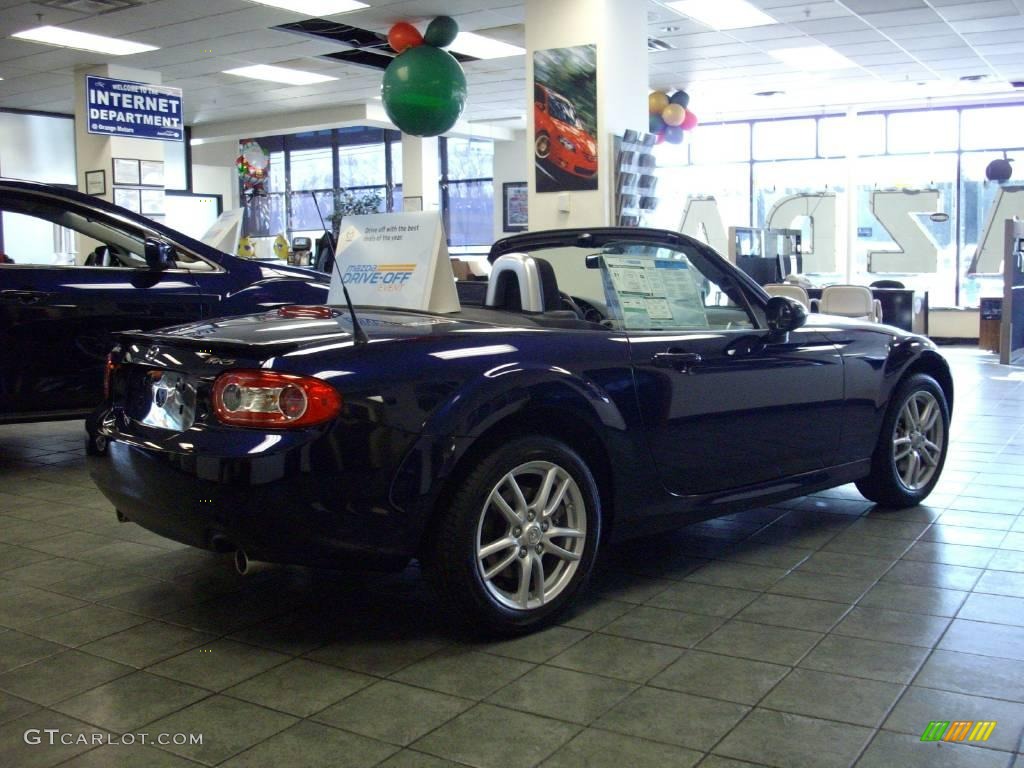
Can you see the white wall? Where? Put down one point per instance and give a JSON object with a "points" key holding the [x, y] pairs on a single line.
{"points": [[214, 172], [508, 167], [954, 323]]}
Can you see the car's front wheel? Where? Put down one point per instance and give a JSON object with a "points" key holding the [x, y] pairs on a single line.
{"points": [[542, 146], [912, 446], [518, 538]]}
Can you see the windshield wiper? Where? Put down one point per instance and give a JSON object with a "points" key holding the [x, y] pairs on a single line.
{"points": [[358, 334]]}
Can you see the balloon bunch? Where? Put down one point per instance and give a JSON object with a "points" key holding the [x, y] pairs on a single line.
{"points": [[252, 163], [670, 115], [424, 88]]}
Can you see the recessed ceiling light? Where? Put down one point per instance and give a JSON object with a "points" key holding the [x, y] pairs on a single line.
{"points": [[279, 74], [670, 28], [723, 14], [766, 94], [83, 41], [480, 47], [315, 7], [972, 78], [812, 57]]}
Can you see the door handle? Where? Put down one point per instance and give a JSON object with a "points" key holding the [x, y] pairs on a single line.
{"points": [[23, 297], [680, 361]]}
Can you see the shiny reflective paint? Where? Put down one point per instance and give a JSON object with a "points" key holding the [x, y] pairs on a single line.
{"points": [[57, 323], [762, 416]]}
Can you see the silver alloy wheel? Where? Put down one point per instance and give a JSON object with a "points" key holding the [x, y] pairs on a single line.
{"points": [[542, 146], [531, 534], [917, 440]]}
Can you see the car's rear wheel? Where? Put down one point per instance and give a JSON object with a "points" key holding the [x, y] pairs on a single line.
{"points": [[518, 538], [542, 146], [912, 446]]}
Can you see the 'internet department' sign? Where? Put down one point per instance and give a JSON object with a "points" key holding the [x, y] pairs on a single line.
{"points": [[134, 110]]}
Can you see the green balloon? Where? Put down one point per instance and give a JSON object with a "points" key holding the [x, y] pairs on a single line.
{"points": [[441, 32], [424, 91]]}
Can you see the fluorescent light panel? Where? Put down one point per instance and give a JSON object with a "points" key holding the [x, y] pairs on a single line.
{"points": [[723, 14], [811, 58], [315, 7], [480, 47], [82, 41], [279, 74]]}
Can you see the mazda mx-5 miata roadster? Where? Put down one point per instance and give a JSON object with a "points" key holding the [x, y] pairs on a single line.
{"points": [[603, 384]]}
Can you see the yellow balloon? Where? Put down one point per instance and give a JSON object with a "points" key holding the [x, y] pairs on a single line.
{"points": [[656, 102], [280, 247], [246, 248], [673, 114]]}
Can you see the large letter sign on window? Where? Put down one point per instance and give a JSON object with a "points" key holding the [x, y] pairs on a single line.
{"points": [[988, 259], [898, 211], [819, 255], [703, 221], [134, 110]]}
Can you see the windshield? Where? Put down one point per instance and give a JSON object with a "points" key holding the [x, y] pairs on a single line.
{"points": [[649, 286], [562, 109]]}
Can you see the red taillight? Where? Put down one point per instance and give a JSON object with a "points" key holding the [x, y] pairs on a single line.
{"points": [[108, 374], [273, 400], [305, 311]]}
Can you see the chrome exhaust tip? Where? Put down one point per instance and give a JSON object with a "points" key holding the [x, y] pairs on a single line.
{"points": [[247, 567]]}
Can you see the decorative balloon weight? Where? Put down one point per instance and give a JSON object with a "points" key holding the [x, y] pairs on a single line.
{"points": [[424, 91], [404, 35]]}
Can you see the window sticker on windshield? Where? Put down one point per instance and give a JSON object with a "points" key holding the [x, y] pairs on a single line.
{"points": [[654, 293]]}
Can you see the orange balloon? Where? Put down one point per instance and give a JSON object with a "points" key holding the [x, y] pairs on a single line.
{"points": [[673, 114], [404, 35], [656, 102]]}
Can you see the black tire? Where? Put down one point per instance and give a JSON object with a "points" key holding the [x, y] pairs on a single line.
{"points": [[542, 146], [887, 484], [470, 517]]}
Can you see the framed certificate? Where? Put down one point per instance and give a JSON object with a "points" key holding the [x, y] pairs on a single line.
{"points": [[152, 202], [96, 182], [126, 172], [514, 206], [128, 198], [152, 173]]}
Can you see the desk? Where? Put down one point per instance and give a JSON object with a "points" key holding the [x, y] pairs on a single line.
{"points": [[897, 307]]}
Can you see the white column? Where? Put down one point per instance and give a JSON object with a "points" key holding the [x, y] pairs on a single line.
{"points": [[421, 171], [619, 30], [851, 190]]}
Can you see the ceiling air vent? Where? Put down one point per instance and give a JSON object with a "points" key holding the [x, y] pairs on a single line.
{"points": [[91, 7], [363, 47], [657, 44]]}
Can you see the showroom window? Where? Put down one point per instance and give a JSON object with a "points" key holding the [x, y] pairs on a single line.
{"points": [[919, 172], [467, 191]]}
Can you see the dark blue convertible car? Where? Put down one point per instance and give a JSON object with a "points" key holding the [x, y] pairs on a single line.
{"points": [[605, 384], [78, 269]]}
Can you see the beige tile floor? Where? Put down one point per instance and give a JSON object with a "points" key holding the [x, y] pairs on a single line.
{"points": [[821, 632]]}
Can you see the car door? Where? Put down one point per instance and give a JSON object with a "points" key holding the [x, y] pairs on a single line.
{"points": [[59, 309], [724, 403]]}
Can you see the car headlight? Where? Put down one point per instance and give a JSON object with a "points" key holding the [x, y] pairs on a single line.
{"points": [[567, 144]]}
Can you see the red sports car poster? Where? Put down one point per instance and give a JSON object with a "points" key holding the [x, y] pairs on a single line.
{"points": [[565, 118]]}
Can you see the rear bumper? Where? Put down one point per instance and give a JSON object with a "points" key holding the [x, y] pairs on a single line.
{"points": [[295, 498]]}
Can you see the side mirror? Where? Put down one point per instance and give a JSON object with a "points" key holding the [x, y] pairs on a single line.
{"points": [[159, 255], [784, 314]]}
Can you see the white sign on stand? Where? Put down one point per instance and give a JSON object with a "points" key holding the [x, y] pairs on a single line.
{"points": [[224, 233], [395, 260]]}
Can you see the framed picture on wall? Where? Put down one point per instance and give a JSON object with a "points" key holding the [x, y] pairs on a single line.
{"points": [[96, 182], [126, 172], [152, 202], [128, 198], [514, 212], [151, 173]]}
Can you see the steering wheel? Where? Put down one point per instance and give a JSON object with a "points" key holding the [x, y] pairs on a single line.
{"points": [[589, 312], [108, 256], [569, 303]]}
